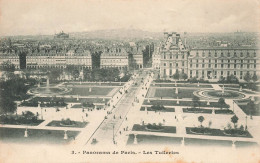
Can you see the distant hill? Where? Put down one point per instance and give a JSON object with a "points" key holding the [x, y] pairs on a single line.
{"points": [[118, 34]]}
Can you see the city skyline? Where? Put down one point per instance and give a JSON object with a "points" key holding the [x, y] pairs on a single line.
{"points": [[49, 17]]}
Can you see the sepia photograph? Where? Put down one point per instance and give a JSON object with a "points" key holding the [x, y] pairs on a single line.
{"points": [[130, 81]]}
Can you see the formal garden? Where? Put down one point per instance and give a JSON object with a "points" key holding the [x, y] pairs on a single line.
{"points": [[27, 118], [90, 91], [157, 108], [228, 131], [67, 123], [154, 128], [170, 93]]}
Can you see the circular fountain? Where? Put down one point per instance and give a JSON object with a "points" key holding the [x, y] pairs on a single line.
{"points": [[48, 89]]}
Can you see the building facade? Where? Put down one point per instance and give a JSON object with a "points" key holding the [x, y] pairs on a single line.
{"points": [[114, 57], [212, 63], [174, 56], [58, 58], [156, 59]]}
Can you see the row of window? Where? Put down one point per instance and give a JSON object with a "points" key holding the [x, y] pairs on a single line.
{"points": [[176, 64], [228, 54], [171, 72], [228, 73], [171, 57], [224, 66], [224, 61]]}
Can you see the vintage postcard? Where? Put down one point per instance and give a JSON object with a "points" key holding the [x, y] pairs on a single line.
{"points": [[129, 81]]}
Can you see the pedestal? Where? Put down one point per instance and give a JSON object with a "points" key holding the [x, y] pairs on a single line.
{"points": [[178, 101], [77, 97], [198, 84], [135, 140], [148, 100], [65, 135], [213, 111], [103, 99], [182, 142], [89, 90], [176, 91], [26, 133], [208, 103], [240, 89], [233, 145]]}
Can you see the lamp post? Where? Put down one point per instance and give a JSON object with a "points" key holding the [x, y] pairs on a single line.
{"points": [[233, 106], [41, 113], [246, 123], [113, 134]]}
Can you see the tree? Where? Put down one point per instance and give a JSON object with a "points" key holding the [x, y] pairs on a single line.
{"points": [[7, 66], [158, 107], [221, 79], [54, 74], [28, 115], [251, 107], [247, 77], [232, 79], [7, 104], [75, 74], [176, 75], [221, 102], [234, 120], [184, 76], [196, 101], [201, 119], [254, 78]]}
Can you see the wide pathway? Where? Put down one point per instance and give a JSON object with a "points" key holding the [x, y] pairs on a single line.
{"points": [[109, 127]]}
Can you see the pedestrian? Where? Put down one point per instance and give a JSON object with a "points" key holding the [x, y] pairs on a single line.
{"points": [[126, 118], [120, 117], [175, 116]]}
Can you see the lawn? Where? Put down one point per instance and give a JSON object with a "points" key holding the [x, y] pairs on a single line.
{"points": [[227, 94], [224, 111], [170, 93], [77, 124], [73, 100], [214, 132], [84, 91], [164, 129], [181, 103], [16, 135], [197, 110], [21, 122], [247, 111], [152, 139], [150, 109], [182, 85], [95, 84]]}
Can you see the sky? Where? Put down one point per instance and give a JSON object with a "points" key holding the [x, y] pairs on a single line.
{"points": [[33, 17]]}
